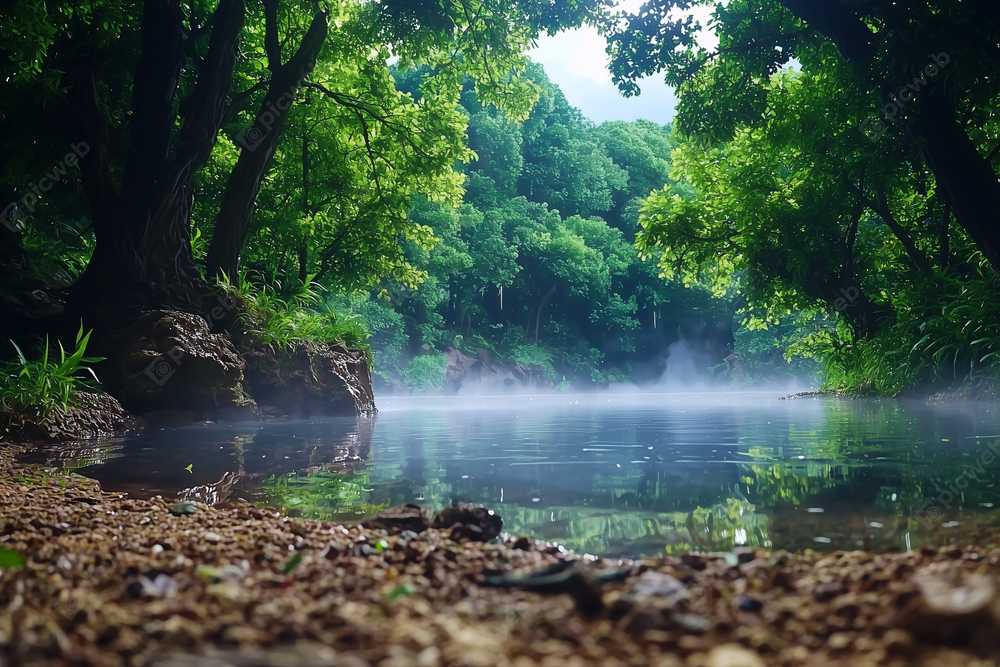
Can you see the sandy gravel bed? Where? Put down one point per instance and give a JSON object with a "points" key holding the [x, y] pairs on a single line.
{"points": [[108, 580]]}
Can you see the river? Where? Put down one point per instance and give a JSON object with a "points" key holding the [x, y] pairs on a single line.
{"points": [[609, 474]]}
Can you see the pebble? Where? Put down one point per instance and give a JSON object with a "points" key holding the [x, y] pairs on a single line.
{"points": [[245, 586]]}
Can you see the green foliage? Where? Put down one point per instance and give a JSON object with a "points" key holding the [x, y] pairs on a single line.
{"points": [[10, 560], [941, 335], [426, 371], [40, 386], [827, 249], [297, 317], [533, 357], [813, 217], [535, 268]]}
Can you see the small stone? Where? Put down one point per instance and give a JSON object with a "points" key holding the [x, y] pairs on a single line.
{"points": [[691, 623], [523, 543], [657, 585], [898, 641], [183, 507], [748, 604], [694, 561], [827, 592], [732, 655]]}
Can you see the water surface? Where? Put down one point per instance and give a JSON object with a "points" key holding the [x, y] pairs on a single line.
{"points": [[615, 474]]}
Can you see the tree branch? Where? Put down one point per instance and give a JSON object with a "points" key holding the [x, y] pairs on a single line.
{"points": [[881, 208], [260, 142]]}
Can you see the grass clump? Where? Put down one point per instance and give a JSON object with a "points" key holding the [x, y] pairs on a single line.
{"points": [[37, 387], [286, 319]]}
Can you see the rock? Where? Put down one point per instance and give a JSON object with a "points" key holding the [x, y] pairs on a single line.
{"points": [[399, 518], [748, 604], [952, 611], [91, 415], [170, 360], [827, 592], [182, 508], [523, 543], [657, 585], [331, 552], [691, 622], [694, 561], [732, 655], [314, 380], [160, 587], [486, 521]]}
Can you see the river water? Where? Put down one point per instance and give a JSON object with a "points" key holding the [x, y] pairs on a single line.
{"points": [[611, 474]]}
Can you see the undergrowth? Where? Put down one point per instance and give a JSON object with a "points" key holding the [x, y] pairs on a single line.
{"points": [[287, 318], [39, 386], [944, 334]]}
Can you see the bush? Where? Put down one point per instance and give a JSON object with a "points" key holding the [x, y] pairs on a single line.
{"points": [[426, 371], [534, 356], [943, 333]]}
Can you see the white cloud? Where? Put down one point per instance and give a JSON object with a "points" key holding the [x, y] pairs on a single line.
{"points": [[576, 60]]}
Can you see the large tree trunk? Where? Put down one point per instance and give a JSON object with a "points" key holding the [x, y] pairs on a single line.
{"points": [[970, 185], [143, 257]]}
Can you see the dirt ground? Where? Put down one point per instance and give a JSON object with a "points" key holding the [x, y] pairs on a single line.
{"points": [[101, 579]]}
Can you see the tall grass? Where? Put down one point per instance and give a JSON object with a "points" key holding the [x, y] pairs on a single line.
{"points": [[287, 318], [39, 386]]}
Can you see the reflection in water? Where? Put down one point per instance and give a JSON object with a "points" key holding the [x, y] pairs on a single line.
{"points": [[600, 473]]}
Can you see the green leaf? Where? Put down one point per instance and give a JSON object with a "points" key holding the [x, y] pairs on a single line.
{"points": [[291, 563], [404, 589], [10, 559]]}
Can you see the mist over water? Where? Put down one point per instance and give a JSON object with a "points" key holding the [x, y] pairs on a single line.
{"points": [[686, 369], [618, 472]]}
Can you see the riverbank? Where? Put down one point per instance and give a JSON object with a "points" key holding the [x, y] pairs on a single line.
{"points": [[109, 580]]}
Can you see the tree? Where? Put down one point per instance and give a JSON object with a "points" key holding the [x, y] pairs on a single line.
{"points": [[150, 117], [925, 67]]}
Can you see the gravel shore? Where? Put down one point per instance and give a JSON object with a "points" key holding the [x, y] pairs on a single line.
{"points": [[100, 579]]}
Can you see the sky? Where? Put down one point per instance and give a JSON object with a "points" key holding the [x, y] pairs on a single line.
{"points": [[576, 61]]}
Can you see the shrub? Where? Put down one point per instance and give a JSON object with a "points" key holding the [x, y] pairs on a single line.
{"points": [[39, 386], [426, 371]]}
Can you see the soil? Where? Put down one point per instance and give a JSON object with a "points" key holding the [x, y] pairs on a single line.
{"points": [[110, 580]]}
